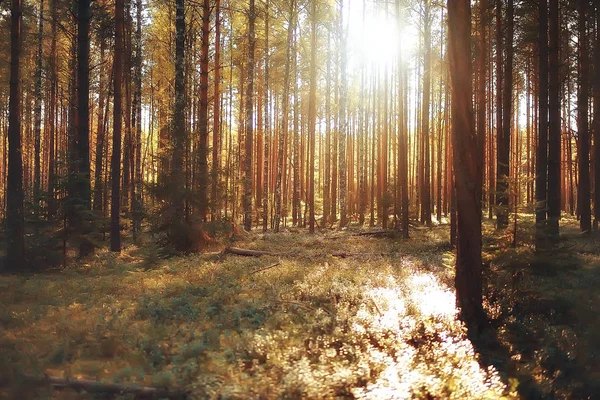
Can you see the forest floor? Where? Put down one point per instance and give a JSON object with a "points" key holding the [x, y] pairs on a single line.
{"points": [[335, 314]]}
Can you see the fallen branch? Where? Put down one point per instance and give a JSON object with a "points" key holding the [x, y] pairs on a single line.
{"points": [[265, 268], [92, 386], [246, 252], [377, 234]]}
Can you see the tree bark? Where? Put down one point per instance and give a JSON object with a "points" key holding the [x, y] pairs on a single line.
{"points": [[38, 112], [203, 114], [284, 117], [216, 206], [554, 151], [466, 168], [312, 117], [15, 227], [541, 166], [583, 193], [115, 207], [247, 198]]}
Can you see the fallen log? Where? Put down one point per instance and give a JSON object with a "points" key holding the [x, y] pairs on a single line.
{"points": [[377, 234], [246, 252], [92, 386]]}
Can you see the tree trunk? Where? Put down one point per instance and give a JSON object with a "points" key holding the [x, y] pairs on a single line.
{"points": [[554, 151], [426, 188], [503, 150], [38, 111], [541, 166], [136, 195], [466, 168], [100, 134], [247, 198], [284, 117], [15, 251], [52, 111], [312, 117], [216, 206], [583, 193], [267, 125], [115, 207], [343, 123], [203, 115], [597, 121]]}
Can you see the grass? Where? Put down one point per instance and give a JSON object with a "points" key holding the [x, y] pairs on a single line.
{"points": [[380, 323]]}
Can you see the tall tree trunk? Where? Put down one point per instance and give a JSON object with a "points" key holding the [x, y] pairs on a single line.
{"points": [[203, 115], [541, 166], [426, 188], [503, 169], [83, 138], [216, 206], [554, 151], [100, 134], [583, 193], [53, 70], [596, 120], [481, 92], [267, 125], [247, 198], [38, 112], [468, 279], [15, 229], [312, 117], [115, 206], [343, 123], [136, 195], [284, 117]]}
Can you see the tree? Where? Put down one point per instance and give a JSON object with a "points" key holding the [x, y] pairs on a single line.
{"points": [[216, 113], [83, 138], [284, 116], [15, 227], [541, 166], [426, 187], [554, 153], [115, 205], [468, 278], [38, 110], [596, 120], [247, 198], [203, 114], [583, 192], [343, 123], [503, 170], [312, 115]]}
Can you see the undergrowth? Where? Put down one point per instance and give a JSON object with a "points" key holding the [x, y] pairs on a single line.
{"points": [[379, 322]]}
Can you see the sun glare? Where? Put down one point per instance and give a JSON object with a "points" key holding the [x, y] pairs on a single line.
{"points": [[375, 37]]}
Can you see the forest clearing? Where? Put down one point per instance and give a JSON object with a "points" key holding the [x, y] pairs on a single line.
{"points": [[337, 314], [290, 199]]}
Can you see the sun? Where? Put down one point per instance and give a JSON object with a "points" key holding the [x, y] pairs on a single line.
{"points": [[376, 37]]}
